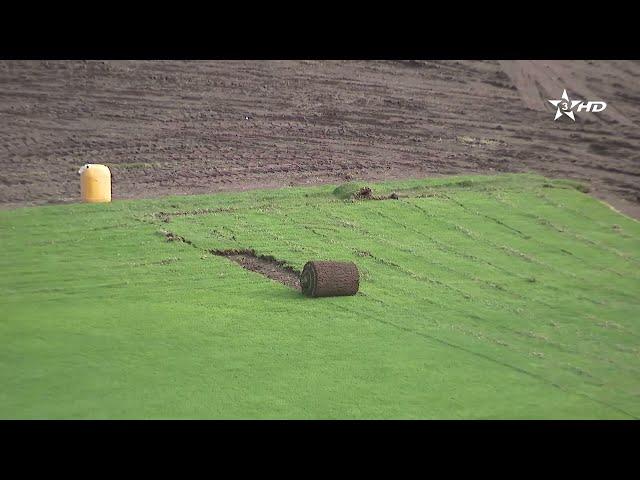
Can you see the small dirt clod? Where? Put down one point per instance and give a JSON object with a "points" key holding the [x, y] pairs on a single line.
{"points": [[363, 193]]}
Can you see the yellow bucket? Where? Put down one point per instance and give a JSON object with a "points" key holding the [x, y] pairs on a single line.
{"points": [[95, 183]]}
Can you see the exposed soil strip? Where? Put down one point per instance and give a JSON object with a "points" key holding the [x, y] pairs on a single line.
{"points": [[265, 265]]}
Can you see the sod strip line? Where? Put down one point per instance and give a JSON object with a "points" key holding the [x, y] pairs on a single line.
{"points": [[446, 286], [522, 234], [444, 250], [549, 201], [477, 237], [517, 332], [412, 274], [565, 230], [505, 328], [486, 357], [402, 308], [527, 257]]}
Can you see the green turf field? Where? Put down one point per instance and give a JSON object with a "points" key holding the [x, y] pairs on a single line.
{"points": [[481, 297]]}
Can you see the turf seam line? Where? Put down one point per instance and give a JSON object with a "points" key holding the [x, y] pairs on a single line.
{"points": [[565, 230], [486, 357]]}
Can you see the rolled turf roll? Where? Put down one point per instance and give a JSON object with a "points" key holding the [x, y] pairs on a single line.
{"points": [[329, 279]]}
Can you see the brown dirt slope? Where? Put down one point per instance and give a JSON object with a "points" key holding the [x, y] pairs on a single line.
{"points": [[173, 127]]}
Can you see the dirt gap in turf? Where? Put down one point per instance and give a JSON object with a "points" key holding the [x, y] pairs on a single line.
{"points": [[265, 265]]}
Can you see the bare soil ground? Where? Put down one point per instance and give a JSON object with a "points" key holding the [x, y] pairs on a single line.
{"points": [[180, 127]]}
